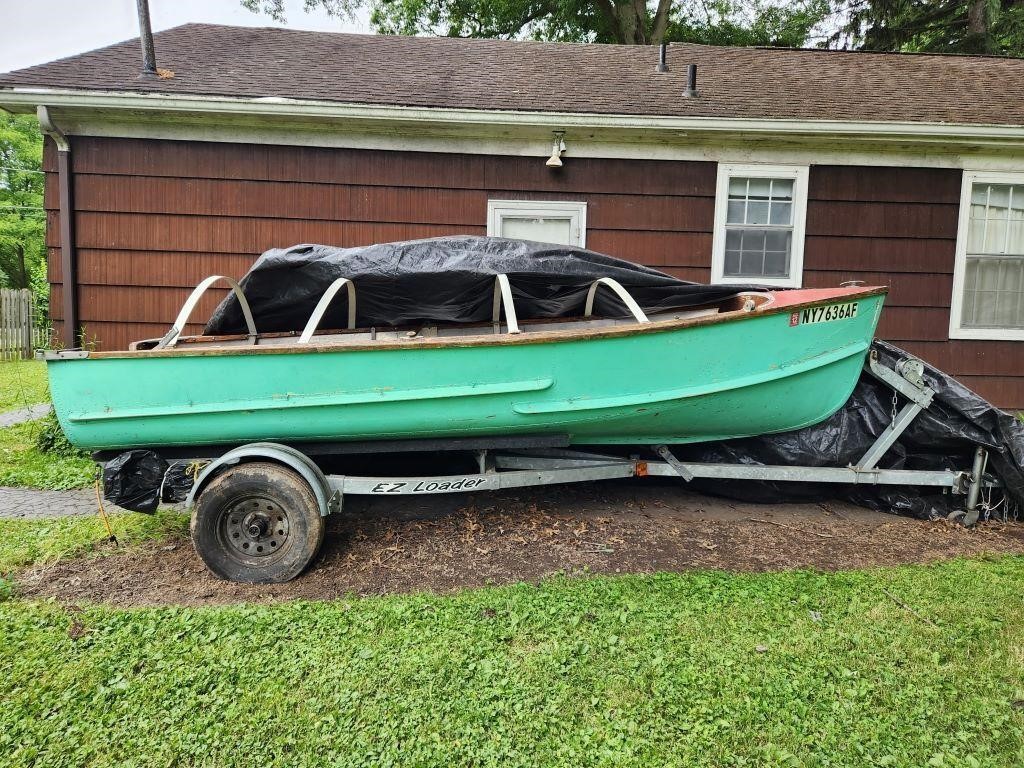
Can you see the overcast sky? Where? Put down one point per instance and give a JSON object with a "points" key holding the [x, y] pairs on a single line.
{"points": [[34, 31]]}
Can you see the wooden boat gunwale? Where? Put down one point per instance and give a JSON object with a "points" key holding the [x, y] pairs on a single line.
{"points": [[581, 333]]}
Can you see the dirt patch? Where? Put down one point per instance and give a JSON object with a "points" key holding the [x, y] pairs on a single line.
{"points": [[444, 543]]}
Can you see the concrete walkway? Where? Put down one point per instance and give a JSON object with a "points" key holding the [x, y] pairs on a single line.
{"points": [[31, 504], [10, 418]]}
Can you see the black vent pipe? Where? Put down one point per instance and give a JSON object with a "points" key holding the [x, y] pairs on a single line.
{"points": [[662, 64], [146, 39], [691, 80]]}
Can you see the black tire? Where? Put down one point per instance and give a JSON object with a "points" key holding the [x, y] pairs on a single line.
{"points": [[257, 523]]}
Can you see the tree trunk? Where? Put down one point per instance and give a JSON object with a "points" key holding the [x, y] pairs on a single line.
{"points": [[660, 23], [22, 281], [630, 22], [979, 27]]}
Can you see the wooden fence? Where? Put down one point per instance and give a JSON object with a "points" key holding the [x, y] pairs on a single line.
{"points": [[20, 329]]}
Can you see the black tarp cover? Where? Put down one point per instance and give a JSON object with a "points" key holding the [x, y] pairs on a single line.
{"points": [[943, 436], [445, 279]]}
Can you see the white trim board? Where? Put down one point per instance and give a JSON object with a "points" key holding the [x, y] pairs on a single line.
{"points": [[321, 123], [970, 178], [799, 175], [717, 148], [281, 106]]}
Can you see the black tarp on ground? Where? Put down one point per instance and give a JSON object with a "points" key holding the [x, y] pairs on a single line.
{"points": [[941, 437], [445, 279]]}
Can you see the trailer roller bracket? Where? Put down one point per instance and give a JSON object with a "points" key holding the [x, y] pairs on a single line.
{"points": [[672, 461]]}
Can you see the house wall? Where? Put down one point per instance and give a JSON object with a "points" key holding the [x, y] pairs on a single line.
{"points": [[155, 217]]}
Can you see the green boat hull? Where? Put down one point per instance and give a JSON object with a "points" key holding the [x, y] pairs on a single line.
{"points": [[748, 376]]}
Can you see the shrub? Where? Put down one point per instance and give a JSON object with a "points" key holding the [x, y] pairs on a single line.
{"points": [[51, 439]]}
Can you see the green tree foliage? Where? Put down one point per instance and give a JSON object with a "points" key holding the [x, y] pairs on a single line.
{"points": [[748, 22], [716, 22], [933, 26], [22, 222]]}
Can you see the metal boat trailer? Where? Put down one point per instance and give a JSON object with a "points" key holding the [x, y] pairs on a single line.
{"points": [[258, 509]]}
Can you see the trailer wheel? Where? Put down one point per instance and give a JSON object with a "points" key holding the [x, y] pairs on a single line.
{"points": [[257, 523]]}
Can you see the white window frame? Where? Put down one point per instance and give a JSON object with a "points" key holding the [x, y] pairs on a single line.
{"points": [[799, 174], [956, 331], [576, 212]]}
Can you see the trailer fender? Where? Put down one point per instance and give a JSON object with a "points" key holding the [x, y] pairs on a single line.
{"points": [[329, 501]]}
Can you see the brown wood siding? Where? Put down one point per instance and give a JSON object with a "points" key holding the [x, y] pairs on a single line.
{"points": [[897, 226], [155, 217]]}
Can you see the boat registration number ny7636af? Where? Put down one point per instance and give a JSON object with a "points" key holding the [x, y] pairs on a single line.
{"points": [[826, 314]]}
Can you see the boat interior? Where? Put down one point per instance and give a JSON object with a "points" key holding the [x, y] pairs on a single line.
{"points": [[504, 319]]}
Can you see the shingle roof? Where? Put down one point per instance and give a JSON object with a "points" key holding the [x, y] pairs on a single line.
{"points": [[529, 76]]}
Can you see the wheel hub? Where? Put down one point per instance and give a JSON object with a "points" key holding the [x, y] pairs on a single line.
{"points": [[255, 527]]}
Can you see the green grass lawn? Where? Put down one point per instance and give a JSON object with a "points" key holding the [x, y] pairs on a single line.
{"points": [[22, 383], [39, 542], [698, 669], [22, 463]]}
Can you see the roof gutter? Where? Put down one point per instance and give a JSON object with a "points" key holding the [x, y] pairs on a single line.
{"points": [[68, 258], [284, 107]]}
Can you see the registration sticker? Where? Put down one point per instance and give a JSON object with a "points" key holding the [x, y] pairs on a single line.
{"points": [[825, 314]]}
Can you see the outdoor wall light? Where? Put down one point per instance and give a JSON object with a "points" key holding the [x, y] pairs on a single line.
{"points": [[557, 148]]}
